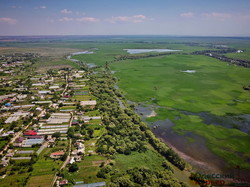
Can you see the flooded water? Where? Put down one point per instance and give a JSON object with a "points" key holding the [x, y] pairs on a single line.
{"points": [[82, 52], [191, 147], [189, 71], [194, 152], [138, 51], [90, 65], [241, 122], [145, 111]]}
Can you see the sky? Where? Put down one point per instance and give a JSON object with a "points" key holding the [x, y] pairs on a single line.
{"points": [[125, 17]]}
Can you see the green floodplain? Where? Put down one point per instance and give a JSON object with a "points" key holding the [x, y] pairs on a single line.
{"points": [[162, 83], [215, 87]]}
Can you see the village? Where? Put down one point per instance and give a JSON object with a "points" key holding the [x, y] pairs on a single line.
{"points": [[49, 122]]}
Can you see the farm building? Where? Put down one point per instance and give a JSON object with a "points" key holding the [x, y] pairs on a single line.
{"points": [[57, 154], [51, 131], [88, 103], [30, 142], [44, 92], [39, 84], [59, 118], [98, 184], [54, 87], [16, 116], [30, 133]]}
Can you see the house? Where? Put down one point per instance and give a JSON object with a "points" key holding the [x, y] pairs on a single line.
{"points": [[63, 182], [57, 154], [30, 133]]}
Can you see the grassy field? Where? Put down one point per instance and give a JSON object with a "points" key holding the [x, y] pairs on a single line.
{"points": [[55, 64], [14, 180], [44, 170], [243, 56], [150, 159], [215, 87], [88, 169]]}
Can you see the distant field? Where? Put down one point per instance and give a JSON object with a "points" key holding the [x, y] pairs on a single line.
{"points": [[55, 64], [215, 87], [243, 56], [107, 51]]}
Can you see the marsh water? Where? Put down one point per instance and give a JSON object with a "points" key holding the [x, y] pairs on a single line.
{"points": [[192, 147], [138, 51]]}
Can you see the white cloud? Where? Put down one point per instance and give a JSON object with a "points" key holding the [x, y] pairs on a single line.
{"points": [[42, 7], [87, 19], [8, 20], [66, 19], [187, 15], [217, 15], [134, 19], [66, 11], [82, 19]]}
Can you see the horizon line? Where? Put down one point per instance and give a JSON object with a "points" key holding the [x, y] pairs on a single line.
{"points": [[60, 35]]}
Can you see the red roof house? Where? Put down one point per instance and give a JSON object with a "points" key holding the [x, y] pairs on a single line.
{"points": [[57, 154], [63, 182], [30, 133]]}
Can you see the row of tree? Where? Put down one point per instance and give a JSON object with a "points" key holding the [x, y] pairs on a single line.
{"points": [[125, 130]]}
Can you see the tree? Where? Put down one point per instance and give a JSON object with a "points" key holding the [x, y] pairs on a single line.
{"points": [[56, 135], [64, 157], [73, 167]]}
